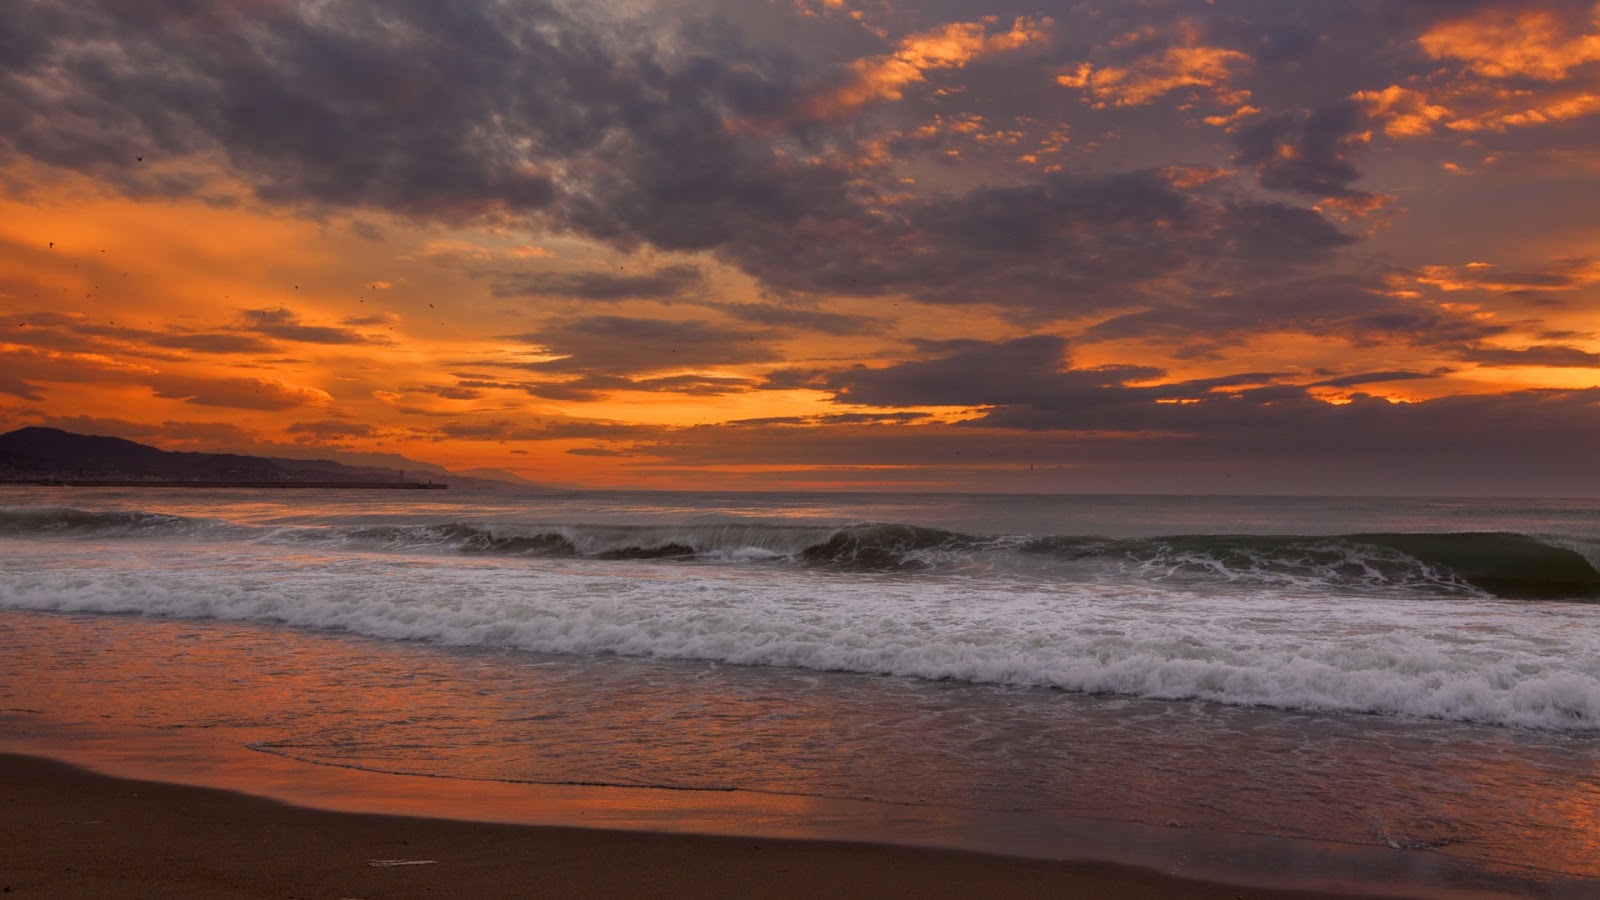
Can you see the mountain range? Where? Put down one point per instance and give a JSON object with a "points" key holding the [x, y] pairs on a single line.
{"points": [[36, 453]]}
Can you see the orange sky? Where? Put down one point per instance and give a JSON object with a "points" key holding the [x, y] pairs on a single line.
{"points": [[818, 244]]}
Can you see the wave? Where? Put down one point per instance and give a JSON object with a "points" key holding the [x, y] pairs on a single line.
{"points": [[1500, 564], [78, 522], [1505, 565], [1455, 659], [1511, 566]]}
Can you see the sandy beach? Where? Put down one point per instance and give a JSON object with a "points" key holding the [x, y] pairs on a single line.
{"points": [[68, 832]]}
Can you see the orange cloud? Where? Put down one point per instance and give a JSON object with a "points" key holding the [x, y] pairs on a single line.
{"points": [[1561, 275], [1154, 76], [480, 253], [240, 393], [1408, 113], [951, 46], [1539, 112], [1504, 44], [1498, 45]]}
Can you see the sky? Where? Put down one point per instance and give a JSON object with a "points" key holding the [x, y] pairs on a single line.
{"points": [[1175, 246]]}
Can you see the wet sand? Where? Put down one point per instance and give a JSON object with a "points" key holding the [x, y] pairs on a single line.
{"points": [[68, 832]]}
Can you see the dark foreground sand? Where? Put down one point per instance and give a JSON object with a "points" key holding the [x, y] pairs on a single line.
{"points": [[67, 832]]}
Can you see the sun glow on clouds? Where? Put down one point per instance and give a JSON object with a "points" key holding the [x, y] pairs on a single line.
{"points": [[622, 248], [1506, 42], [1521, 68], [1144, 81], [951, 46]]}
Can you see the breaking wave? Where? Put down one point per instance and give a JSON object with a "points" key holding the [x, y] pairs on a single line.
{"points": [[1500, 564]]}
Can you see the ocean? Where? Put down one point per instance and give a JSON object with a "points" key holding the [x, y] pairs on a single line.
{"points": [[1411, 686]]}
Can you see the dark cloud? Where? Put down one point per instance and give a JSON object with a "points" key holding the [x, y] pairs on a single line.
{"points": [[630, 135], [235, 393], [620, 345], [600, 355], [78, 333], [1065, 244], [898, 418], [537, 430], [1242, 419], [1359, 309], [1374, 378], [598, 451], [1306, 153], [25, 368], [1027, 383], [16, 387], [207, 343], [331, 429], [1275, 440], [702, 385], [370, 321], [454, 112], [456, 392], [285, 324], [664, 283], [1551, 355], [801, 319]]}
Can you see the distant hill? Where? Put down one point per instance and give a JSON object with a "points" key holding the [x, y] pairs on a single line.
{"points": [[37, 453]]}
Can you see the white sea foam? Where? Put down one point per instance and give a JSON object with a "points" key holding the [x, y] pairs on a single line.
{"points": [[1457, 658]]}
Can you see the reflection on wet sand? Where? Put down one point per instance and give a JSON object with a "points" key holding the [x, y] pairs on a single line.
{"points": [[618, 743]]}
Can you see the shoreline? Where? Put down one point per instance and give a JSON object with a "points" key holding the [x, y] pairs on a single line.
{"points": [[70, 831], [185, 738]]}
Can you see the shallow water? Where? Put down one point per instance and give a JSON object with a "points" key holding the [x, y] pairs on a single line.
{"points": [[1428, 716]]}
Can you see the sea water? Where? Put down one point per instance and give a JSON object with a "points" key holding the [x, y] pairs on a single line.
{"points": [[1416, 676]]}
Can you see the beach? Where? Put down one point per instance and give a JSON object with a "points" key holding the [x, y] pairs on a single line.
{"points": [[72, 833], [1367, 697]]}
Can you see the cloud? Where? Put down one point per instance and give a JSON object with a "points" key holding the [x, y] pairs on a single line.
{"points": [[1064, 244], [58, 331], [950, 46], [238, 393], [17, 387], [1027, 372], [25, 368], [618, 345], [470, 252], [1408, 113], [545, 117], [1275, 439], [1156, 75], [1544, 110], [665, 283], [1362, 310], [1306, 153], [1563, 274], [206, 343], [1505, 42], [801, 319], [285, 324], [1374, 378], [370, 321], [1548, 355], [1405, 112], [331, 429]]}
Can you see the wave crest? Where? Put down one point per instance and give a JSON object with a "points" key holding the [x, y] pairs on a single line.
{"points": [[1507, 565]]}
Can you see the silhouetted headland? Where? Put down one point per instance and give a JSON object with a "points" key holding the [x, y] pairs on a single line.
{"points": [[158, 483], [50, 456]]}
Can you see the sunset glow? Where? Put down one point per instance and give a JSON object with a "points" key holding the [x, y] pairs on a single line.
{"points": [[1172, 246]]}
